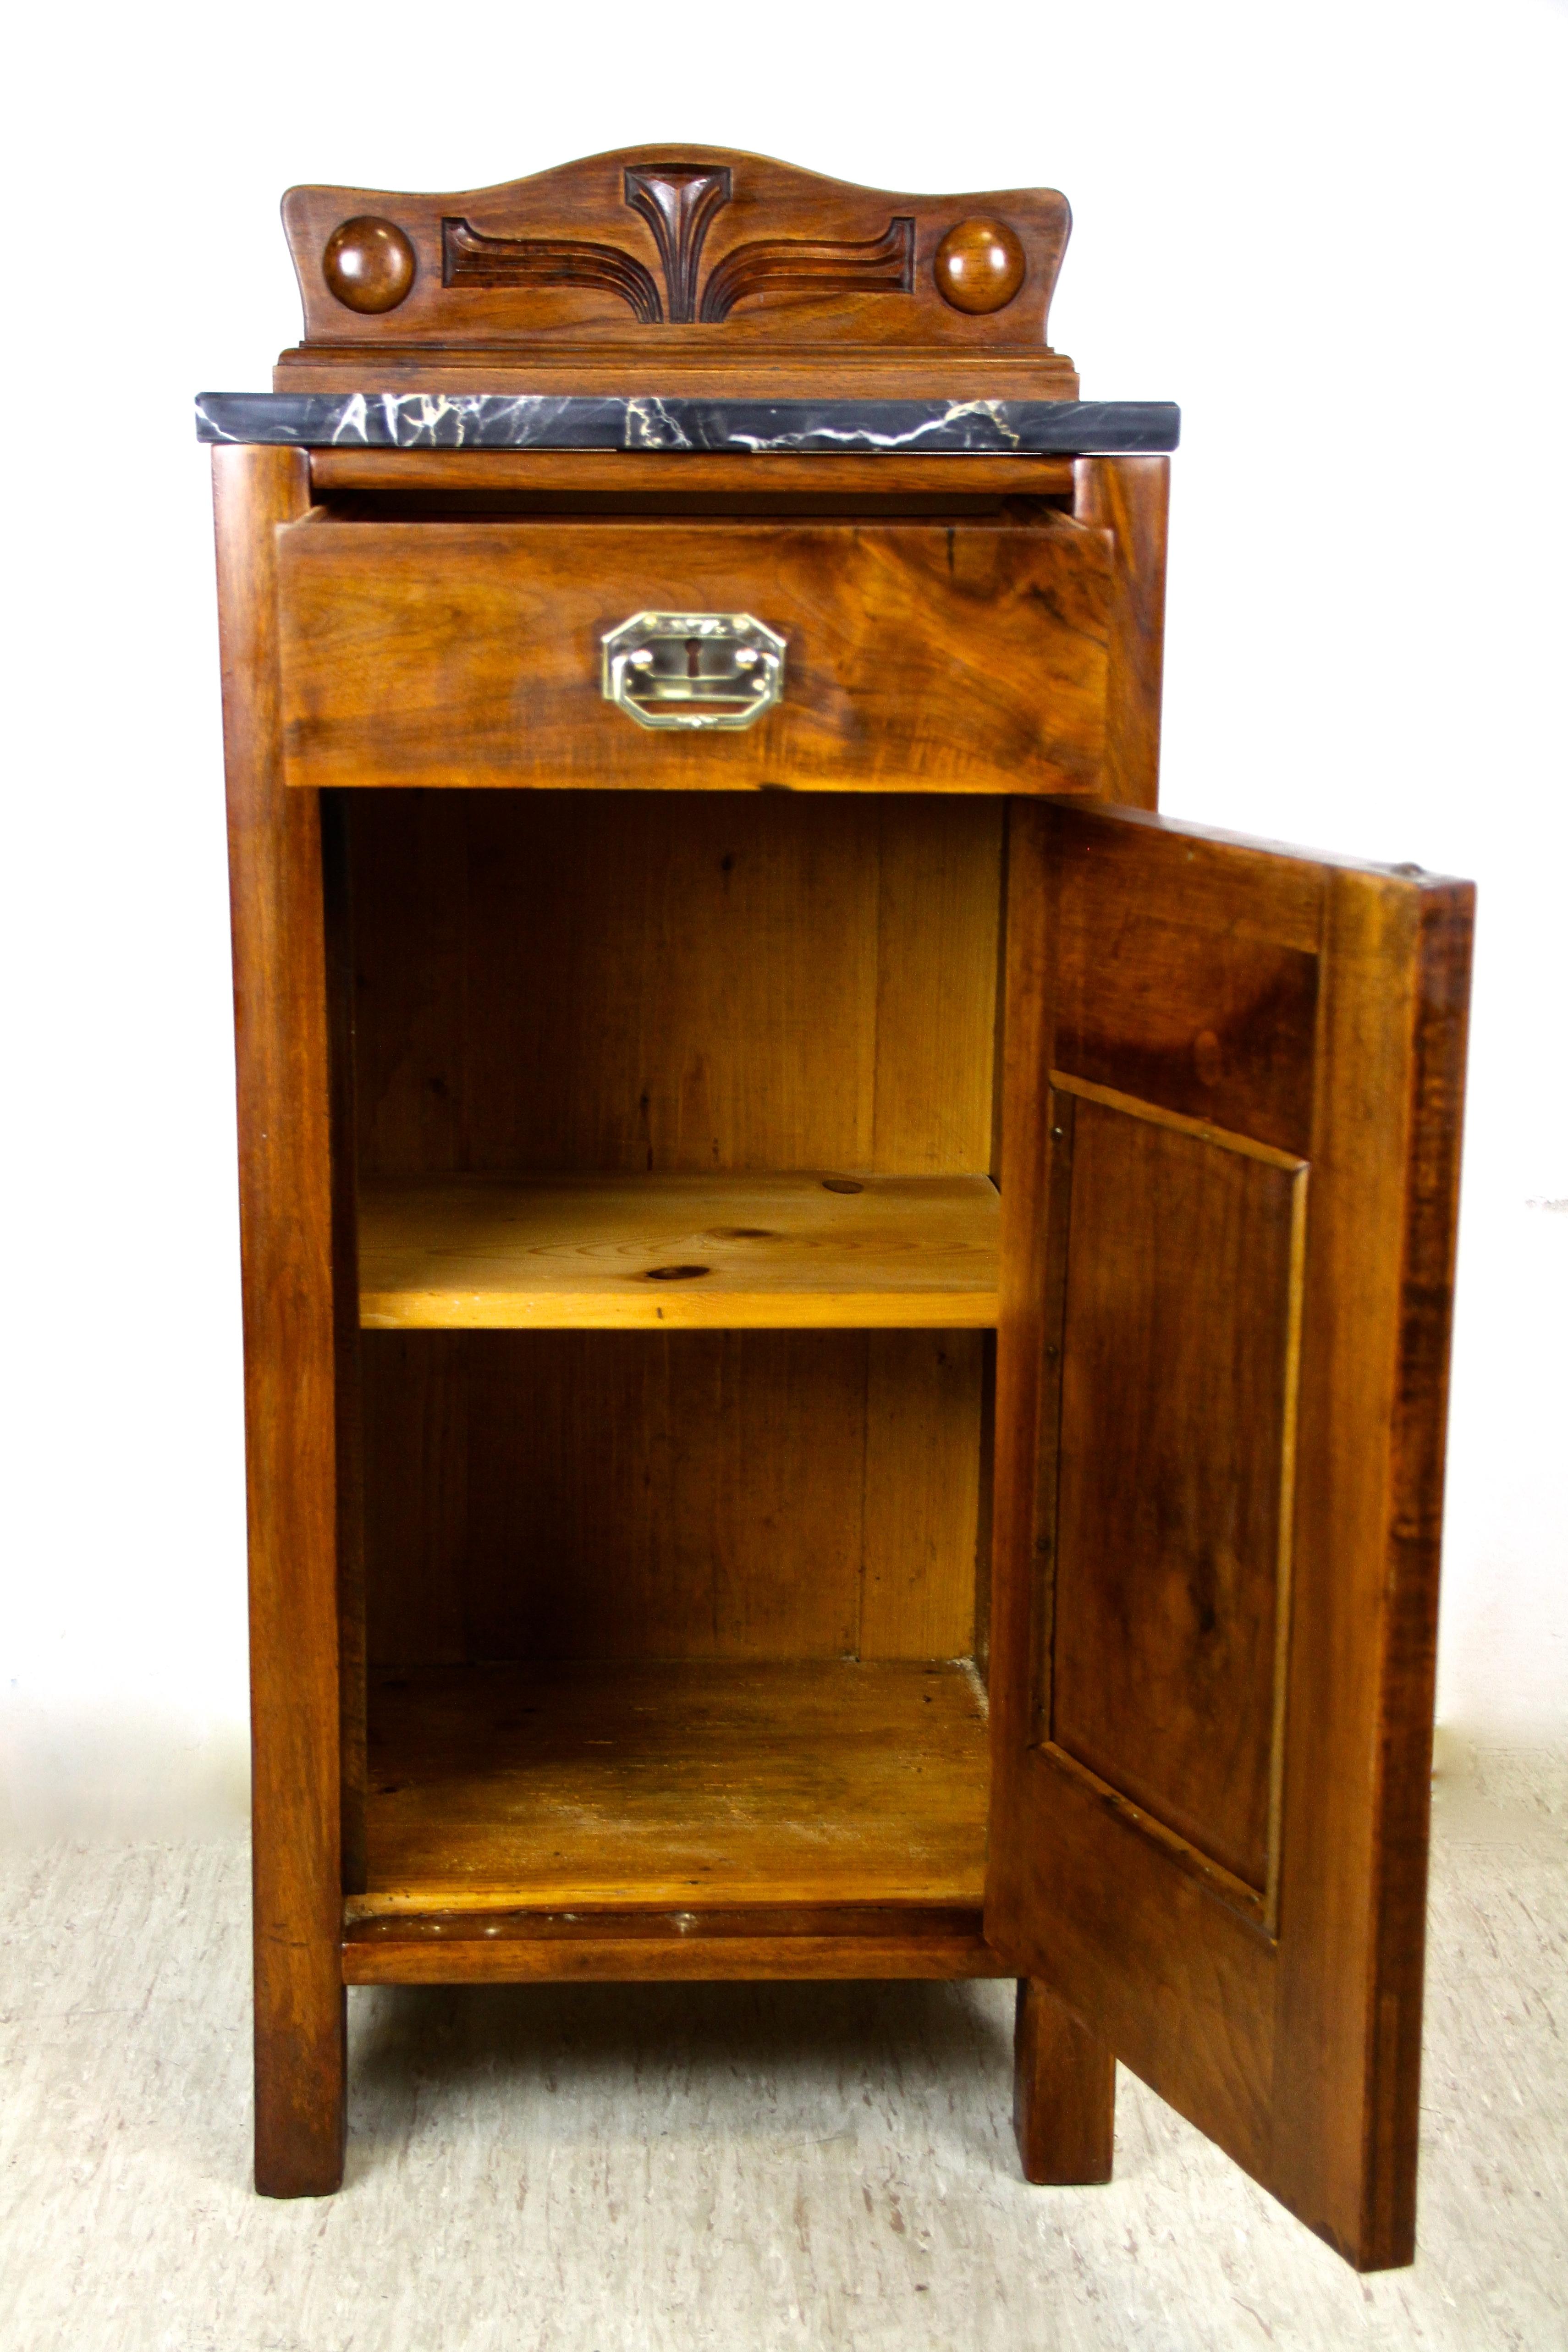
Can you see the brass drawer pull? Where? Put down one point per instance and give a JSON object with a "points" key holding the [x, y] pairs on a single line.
{"points": [[694, 669]]}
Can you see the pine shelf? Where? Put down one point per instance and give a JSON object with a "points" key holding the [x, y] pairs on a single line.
{"points": [[672, 1253]]}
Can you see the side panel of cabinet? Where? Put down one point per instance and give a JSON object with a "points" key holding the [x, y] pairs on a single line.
{"points": [[1229, 1172], [298, 1317]]}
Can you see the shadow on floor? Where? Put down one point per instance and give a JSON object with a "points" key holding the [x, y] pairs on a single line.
{"points": [[797, 2060]]}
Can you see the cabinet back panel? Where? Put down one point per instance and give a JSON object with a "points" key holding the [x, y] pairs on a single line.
{"points": [[696, 1495], [675, 981]]}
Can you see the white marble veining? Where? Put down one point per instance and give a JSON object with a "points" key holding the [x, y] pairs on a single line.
{"points": [[424, 420], [729, 2168]]}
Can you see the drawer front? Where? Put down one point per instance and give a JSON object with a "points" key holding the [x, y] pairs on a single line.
{"points": [[918, 656]]}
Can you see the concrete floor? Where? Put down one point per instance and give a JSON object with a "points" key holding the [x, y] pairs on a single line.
{"points": [[585, 2169]]}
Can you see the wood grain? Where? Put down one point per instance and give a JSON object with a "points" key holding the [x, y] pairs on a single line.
{"points": [[1168, 995], [1064, 2094], [685, 1787], [927, 1480], [675, 474], [292, 1337], [694, 1495], [838, 1941], [743, 1495], [939, 888], [1169, 1596], [682, 261], [965, 659], [682, 984], [1129, 498], [679, 1253], [1379, 1307], [1128, 1924], [1295, 2051], [688, 368], [415, 1390], [338, 923], [675, 983]]}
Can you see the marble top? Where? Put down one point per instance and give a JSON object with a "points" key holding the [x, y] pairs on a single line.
{"points": [[494, 420]]}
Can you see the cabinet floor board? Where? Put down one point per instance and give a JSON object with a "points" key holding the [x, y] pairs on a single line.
{"points": [[682, 1786]]}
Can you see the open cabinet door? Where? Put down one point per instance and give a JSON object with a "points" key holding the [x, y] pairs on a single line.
{"points": [[1229, 1165]]}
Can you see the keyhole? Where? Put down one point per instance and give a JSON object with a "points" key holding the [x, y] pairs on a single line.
{"points": [[693, 647]]}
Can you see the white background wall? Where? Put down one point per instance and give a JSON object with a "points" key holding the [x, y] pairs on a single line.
{"points": [[1336, 233]]}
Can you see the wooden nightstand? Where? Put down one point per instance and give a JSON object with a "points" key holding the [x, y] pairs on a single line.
{"points": [[846, 1332]]}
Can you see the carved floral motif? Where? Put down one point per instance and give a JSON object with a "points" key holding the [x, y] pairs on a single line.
{"points": [[679, 201]]}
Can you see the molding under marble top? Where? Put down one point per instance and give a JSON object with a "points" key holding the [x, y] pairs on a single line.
{"points": [[650, 421]]}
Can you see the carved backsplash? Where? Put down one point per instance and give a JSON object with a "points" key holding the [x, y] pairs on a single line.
{"points": [[692, 264]]}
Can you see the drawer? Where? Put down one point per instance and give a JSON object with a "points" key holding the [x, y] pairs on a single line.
{"points": [[917, 655]]}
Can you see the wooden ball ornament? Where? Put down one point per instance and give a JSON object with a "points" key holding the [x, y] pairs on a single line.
{"points": [[979, 265], [368, 264]]}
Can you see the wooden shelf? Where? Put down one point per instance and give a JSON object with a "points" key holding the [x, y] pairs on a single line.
{"points": [[679, 1253], [686, 1786]]}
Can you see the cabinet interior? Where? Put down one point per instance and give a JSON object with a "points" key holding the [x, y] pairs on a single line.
{"points": [[676, 1133]]}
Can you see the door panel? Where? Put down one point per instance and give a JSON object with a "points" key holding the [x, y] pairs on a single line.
{"points": [[1229, 1177], [1161, 1670]]}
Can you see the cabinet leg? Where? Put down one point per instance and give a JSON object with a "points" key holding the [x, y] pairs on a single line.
{"points": [[301, 2068], [1064, 2093]]}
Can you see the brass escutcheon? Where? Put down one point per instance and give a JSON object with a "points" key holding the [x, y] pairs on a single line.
{"points": [[693, 669]]}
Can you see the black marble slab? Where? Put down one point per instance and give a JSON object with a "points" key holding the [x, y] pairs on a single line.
{"points": [[494, 420]]}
